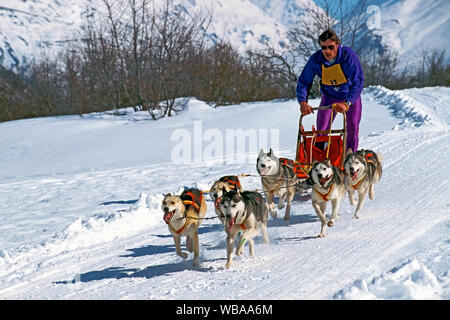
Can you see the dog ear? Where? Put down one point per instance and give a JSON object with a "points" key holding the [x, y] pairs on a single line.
{"points": [[224, 191], [349, 151], [270, 152], [261, 153], [167, 195], [328, 162]]}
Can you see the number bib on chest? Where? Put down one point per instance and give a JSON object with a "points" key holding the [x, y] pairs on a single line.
{"points": [[333, 75]]}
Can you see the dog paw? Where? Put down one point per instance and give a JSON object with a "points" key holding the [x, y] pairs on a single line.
{"points": [[280, 205], [320, 235], [195, 263], [355, 216], [184, 255], [228, 265], [330, 223], [287, 218], [273, 214], [239, 251]]}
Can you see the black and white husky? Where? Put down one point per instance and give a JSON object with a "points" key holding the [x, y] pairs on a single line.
{"points": [[244, 212], [327, 185], [362, 170], [279, 178]]}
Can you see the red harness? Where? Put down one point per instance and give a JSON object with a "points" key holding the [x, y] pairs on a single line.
{"points": [[233, 181]]}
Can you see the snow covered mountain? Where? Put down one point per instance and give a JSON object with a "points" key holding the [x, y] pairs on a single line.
{"points": [[409, 26], [28, 28]]}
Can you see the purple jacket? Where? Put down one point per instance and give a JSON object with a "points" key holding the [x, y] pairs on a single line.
{"points": [[343, 80]]}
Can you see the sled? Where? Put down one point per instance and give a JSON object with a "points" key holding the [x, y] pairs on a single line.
{"points": [[333, 143]]}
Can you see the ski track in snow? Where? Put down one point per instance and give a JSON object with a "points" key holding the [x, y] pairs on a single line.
{"points": [[119, 248]]}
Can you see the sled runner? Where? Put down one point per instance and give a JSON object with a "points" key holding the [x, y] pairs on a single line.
{"points": [[319, 145]]}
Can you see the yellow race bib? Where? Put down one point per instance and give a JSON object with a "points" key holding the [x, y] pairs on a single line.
{"points": [[333, 75]]}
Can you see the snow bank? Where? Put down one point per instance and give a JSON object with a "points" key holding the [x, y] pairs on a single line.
{"points": [[144, 214], [412, 112], [411, 281], [107, 227]]}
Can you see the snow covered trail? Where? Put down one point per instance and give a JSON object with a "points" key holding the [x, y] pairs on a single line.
{"points": [[110, 242]]}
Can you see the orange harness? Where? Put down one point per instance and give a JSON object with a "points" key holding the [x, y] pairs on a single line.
{"points": [[180, 230], [324, 196], [355, 186]]}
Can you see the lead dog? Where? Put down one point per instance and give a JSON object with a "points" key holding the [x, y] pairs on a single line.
{"points": [[219, 188], [327, 185], [183, 215], [362, 170], [247, 212], [278, 177]]}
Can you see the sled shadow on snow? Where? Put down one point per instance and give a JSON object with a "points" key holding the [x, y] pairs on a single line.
{"points": [[121, 273]]}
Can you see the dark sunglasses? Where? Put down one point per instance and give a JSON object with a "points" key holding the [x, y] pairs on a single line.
{"points": [[329, 47]]}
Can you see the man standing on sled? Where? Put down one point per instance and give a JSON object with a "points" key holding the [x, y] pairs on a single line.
{"points": [[341, 83]]}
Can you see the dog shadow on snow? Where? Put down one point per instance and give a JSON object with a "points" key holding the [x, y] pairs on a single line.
{"points": [[150, 271], [174, 267], [122, 273]]}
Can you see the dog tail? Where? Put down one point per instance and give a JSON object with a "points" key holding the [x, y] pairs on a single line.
{"points": [[380, 157]]}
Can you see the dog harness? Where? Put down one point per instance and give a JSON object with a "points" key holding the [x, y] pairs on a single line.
{"points": [[287, 163], [369, 157], [355, 186], [180, 230], [233, 181], [291, 164], [191, 197], [324, 195]]}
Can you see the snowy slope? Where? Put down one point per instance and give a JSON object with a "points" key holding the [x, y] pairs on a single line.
{"points": [[81, 219], [409, 26], [30, 28]]}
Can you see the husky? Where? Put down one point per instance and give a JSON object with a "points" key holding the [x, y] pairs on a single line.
{"points": [[279, 178], [219, 188], [247, 212], [362, 170], [327, 185], [183, 215]]}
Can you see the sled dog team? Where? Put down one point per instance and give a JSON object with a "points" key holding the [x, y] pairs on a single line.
{"points": [[244, 213]]}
